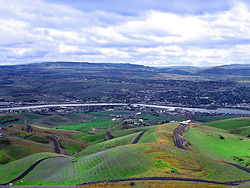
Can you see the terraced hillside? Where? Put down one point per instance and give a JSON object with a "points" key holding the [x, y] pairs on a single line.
{"points": [[154, 156]]}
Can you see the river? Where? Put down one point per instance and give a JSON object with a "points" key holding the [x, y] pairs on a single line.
{"points": [[169, 108]]}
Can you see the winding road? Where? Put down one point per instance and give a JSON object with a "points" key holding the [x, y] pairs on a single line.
{"points": [[56, 144], [29, 169], [178, 138], [109, 136], [29, 129], [138, 137]]}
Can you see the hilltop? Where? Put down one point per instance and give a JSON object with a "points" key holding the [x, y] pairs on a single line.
{"points": [[154, 155]]}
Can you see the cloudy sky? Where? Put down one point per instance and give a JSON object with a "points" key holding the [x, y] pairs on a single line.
{"points": [[147, 32]]}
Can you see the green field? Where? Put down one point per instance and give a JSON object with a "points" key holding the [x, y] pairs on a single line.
{"points": [[151, 117], [85, 127], [230, 123], [212, 118]]}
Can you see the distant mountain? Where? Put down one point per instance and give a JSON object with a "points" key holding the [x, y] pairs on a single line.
{"points": [[234, 69], [122, 69]]}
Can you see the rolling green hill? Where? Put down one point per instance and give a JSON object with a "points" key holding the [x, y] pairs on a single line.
{"points": [[12, 170], [155, 155], [230, 123], [219, 144]]}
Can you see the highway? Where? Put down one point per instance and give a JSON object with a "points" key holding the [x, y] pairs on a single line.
{"points": [[178, 138]]}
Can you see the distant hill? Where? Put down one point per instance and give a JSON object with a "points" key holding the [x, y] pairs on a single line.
{"points": [[121, 68], [234, 69]]}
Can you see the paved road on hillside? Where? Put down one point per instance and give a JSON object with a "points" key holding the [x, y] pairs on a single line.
{"points": [[138, 137], [239, 166], [56, 144], [109, 136], [165, 179], [29, 129], [29, 169], [178, 138]]}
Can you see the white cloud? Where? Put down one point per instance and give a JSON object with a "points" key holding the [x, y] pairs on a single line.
{"points": [[40, 31]]}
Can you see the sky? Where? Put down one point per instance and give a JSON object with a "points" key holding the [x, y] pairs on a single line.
{"points": [[146, 32]]}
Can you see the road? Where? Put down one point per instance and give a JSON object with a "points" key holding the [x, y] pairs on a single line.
{"points": [[29, 129], [240, 167], [109, 136], [29, 169], [138, 137], [165, 179], [178, 138], [56, 144]]}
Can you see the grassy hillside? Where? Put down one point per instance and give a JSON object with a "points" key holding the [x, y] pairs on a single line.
{"points": [[218, 144], [230, 123], [11, 149], [140, 160], [18, 143], [154, 156], [244, 131], [124, 140], [212, 118], [12, 170]]}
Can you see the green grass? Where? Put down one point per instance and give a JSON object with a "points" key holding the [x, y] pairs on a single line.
{"points": [[83, 127], [155, 118], [37, 138], [95, 138], [207, 142], [70, 147], [149, 136], [124, 140], [119, 133], [211, 118], [18, 149], [244, 131], [230, 123], [140, 160], [32, 115], [120, 162], [12, 170]]}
